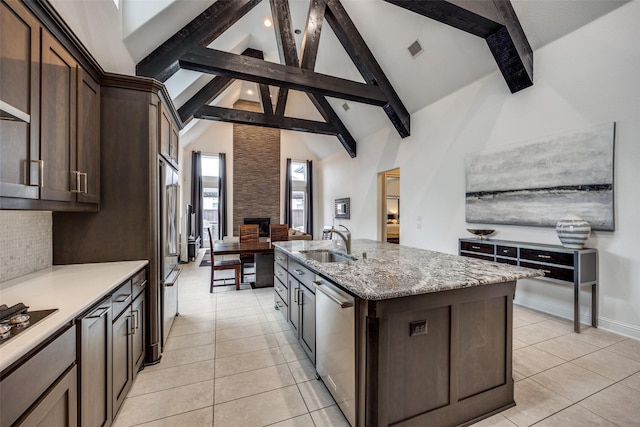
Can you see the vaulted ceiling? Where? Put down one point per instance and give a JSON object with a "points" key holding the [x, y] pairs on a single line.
{"points": [[451, 58]]}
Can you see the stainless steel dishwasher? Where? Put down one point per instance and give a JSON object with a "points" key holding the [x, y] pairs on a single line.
{"points": [[335, 345]]}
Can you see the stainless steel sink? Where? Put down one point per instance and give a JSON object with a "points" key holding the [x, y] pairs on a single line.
{"points": [[325, 256]]}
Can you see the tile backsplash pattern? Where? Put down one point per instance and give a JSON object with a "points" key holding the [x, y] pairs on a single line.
{"points": [[25, 242]]}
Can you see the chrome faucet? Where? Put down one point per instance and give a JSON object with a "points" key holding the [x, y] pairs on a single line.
{"points": [[346, 239]]}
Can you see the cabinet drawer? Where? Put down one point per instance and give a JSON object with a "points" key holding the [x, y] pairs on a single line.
{"points": [[282, 289], [484, 248], [282, 307], [302, 274], [508, 251], [558, 273], [138, 282], [507, 261], [20, 389], [121, 298], [280, 258], [551, 257], [280, 273], [479, 256]]}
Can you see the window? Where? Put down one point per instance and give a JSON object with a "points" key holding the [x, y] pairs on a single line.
{"points": [[298, 195], [210, 193]]}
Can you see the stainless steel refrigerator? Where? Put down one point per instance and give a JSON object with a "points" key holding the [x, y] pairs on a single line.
{"points": [[169, 193]]}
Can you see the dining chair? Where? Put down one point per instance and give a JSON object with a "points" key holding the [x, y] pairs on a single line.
{"points": [[248, 233], [233, 264], [279, 232]]}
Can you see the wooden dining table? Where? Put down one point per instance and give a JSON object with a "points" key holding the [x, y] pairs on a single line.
{"points": [[242, 248], [263, 252]]}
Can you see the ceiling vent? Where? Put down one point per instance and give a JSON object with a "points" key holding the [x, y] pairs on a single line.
{"points": [[415, 49], [345, 106]]}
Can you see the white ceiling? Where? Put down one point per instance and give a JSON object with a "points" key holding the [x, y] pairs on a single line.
{"points": [[451, 58]]}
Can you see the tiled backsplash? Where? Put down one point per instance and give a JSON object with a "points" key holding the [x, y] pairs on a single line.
{"points": [[25, 242]]}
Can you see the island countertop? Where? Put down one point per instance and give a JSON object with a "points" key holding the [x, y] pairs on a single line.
{"points": [[393, 271]]}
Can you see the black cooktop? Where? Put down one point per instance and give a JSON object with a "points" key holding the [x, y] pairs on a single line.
{"points": [[34, 317]]}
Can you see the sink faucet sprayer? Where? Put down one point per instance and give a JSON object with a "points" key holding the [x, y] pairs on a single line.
{"points": [[346, 239]]}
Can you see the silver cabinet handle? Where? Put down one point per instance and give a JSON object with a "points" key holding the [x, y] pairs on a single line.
{"points": [[77, 175], [95, 314], [544, 256], [86, 182], [295, 296], [40, 172], [298, 271], [132, 329], [137, 318], [123, 298], [279, 273]]}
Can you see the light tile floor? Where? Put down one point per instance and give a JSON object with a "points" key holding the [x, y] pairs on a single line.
{"points": [[230, 360]]}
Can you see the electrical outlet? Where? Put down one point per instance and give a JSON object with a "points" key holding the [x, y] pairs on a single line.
{"points": [[419, 225], [419, 327]]}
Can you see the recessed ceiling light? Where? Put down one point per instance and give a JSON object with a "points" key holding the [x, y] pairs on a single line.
{"points": [[249, 92], [267, 22], [297, 31]]}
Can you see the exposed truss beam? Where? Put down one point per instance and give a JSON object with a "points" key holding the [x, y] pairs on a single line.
{"points": [[251, 69], [162, 63], [210, 91], [493, 20], [265, 99], [366, 63], [289, 55], [258, 119]]}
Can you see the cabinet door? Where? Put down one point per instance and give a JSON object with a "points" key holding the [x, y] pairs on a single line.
{"points": [[58, 406], [138, 311], [173, 145], [165, 132], [95, 366], [308, 322], [19, 87], [58, 121], [88, 143], [294, 309], [122, 358]]}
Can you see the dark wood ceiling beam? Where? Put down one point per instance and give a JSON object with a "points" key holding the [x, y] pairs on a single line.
{"points": [[210, 91], [251, 69], [258, 119], [162, 63], [366, 63], [493, 20], [285, 39], [311, 37], [329, 114], [265, 99]]}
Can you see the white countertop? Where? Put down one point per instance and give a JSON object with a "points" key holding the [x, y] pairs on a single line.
{"points": [[71, 289]]}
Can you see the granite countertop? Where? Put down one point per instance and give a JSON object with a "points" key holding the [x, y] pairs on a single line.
{"points": [[71, 289], [392, 271]]}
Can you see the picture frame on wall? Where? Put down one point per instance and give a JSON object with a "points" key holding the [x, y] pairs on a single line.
{"points": [[343, 208]]}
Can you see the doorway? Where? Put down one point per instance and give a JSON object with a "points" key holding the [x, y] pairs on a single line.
{"points": [[389, 206]]}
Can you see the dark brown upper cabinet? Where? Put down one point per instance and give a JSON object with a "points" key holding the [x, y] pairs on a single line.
{"points": [[168, 137]]}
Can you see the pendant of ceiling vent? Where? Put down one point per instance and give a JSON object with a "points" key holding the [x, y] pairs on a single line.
{"points": [[415, 49]]}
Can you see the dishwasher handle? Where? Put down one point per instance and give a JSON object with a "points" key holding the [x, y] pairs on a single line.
{"points": [[333, 295]]}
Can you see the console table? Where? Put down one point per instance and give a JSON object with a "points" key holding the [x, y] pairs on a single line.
{"points": [[576, 267]]}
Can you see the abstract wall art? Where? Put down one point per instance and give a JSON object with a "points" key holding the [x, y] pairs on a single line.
{"points": [[540, 181]]}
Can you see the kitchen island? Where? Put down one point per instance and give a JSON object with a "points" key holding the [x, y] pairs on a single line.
{"points": [[433, 331]]}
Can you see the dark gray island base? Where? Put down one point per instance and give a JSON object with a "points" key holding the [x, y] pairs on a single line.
{"points": [[433, 332], [458, 371]]}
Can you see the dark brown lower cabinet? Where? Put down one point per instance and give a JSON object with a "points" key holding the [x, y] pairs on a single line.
{"points": [[42, 389], [123, 329], [138, 310], [58, 407], [302, 315], [95, 354]]}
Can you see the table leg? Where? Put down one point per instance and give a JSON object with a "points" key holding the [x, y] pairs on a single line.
{"points": [[576, 308], [594, 305]]}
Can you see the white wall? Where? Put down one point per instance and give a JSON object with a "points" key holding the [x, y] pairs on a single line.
{"points": [[218, 138], [586, 78]]}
